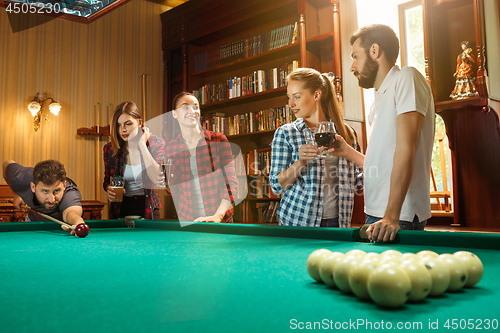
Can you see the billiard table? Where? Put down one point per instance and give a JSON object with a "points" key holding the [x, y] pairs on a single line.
{"points": [[164, 276]]}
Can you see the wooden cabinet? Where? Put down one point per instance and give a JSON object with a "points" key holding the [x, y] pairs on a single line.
{"points": [[472, 125], [194, 26], [206, 30]]}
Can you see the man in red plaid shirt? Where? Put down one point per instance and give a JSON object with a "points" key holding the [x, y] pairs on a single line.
{"points": [[202, 177]]}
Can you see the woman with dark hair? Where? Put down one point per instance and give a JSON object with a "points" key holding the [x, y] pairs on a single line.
{"points": [[202, 176], [316, 191], [134, 156]]}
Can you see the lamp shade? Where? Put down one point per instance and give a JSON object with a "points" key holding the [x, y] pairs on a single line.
{"points": [[34, 107], [55, 107]]}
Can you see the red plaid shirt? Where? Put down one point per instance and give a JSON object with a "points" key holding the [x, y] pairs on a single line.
{"points": [[216, 171], [113, 166]]}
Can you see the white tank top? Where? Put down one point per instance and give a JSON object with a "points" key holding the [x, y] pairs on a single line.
{"points": [[132, 175]]}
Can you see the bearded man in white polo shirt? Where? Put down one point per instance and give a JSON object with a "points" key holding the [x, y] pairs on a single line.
{"points": [[397, 164]]}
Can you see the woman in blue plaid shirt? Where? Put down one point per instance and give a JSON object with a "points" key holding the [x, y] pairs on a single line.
{"points": [[316, 192]]}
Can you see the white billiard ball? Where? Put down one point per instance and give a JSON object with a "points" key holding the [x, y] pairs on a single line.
{"points": [[458, 271], [358, 278], [356, 252], [327, 268], [373, 255], [391, 254], [314, 263], [410, 256], [342, 270], [474, 266], [427, 253], [421, 280], [390, 260], [389, 286], [439, 273]]}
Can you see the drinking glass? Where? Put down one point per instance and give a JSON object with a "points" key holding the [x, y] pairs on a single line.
{"points": [[117, 185], [325, 136], [310, 140], [166, 167]]}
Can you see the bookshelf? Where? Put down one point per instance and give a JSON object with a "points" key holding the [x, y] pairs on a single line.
{"points": [[213, 46], [471, 123]]}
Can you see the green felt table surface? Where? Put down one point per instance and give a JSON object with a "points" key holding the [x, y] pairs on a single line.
{"points": [[182, 277]]}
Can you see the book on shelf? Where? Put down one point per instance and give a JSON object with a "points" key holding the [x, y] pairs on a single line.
{"points": [[271, 213], [261, 210], [256, 82], [260, 187], [216, 54], [240, 212], [295, 34], [249, 122], [274, 215], [250, 159]]}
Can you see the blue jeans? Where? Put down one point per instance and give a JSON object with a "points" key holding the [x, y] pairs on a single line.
{"points": [[330, 223], [403, 225]]}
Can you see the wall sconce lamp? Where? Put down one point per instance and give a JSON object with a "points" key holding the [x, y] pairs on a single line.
{"points": [[36, 108]]}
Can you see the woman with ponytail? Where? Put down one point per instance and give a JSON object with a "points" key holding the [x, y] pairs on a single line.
{"points": [[315, 192]]}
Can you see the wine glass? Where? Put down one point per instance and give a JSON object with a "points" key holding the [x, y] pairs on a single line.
{"points": [[310, 140], [325, 136]]}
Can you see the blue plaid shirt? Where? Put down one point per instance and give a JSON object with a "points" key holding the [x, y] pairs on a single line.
{"points": [[302, 204]]}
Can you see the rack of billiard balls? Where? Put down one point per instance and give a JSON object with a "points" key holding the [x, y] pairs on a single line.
{"points": [[392, 278]]}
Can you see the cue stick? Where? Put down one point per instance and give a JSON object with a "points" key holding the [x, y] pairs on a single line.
{"points": [[144, 98], [97, 171], [109, 120], [24, 206]]}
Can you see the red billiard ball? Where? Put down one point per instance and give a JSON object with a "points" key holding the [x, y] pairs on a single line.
{"points": [[82, 230]]}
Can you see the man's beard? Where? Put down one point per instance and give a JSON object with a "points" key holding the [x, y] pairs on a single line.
{"points": [[47, 207], [368, 74]]}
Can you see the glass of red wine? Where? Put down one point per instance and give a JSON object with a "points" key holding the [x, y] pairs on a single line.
{"points": [[325, 136]]}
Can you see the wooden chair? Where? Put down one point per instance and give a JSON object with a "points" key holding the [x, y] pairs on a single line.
{"points": [[445, 193]]}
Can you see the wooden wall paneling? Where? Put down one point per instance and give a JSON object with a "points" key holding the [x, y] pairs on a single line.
{"points": [[169, 82], [447, 27], [475, 142], [472, 129], [79, 66], [185, 81], [312, 59], [328, 63], [337, 48], [325, 19], [312, 21], [302, 32], [480, 47]]}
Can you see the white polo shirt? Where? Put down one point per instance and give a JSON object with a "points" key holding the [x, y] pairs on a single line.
{"points": [[403, 90]]}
